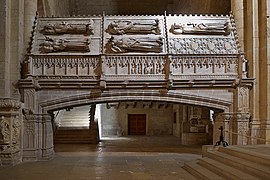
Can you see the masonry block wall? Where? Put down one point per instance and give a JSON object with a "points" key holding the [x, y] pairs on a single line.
{"points": [[159, 118], [80, 7]]}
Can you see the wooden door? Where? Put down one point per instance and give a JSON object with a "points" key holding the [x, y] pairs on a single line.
{"points": [[137, 124]]}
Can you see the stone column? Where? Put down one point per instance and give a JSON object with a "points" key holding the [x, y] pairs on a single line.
{"points": [[10, 132], [237, 7], [10, 107], [5, 7], [268, 71]]}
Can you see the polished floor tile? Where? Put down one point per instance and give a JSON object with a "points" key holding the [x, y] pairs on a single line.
{"points": [[114, 158]]}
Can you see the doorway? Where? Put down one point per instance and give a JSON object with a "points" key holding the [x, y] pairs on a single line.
{"points": [[137, 124]]}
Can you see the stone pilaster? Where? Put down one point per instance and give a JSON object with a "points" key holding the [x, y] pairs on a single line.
{"points": [[10, 132], [221, 119], [37, 137], [236, 127]]}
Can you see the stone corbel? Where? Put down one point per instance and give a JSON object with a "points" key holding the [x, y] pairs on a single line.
{"points": [[113, 104], [147, 105], [130, 104]]}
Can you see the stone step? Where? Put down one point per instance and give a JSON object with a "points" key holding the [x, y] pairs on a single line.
{"points": [[79, 116], [74, 124], [223, 170], [75, 136], [185, 175], [247, 154], [74, 127], [200, 172], [252, 168]]}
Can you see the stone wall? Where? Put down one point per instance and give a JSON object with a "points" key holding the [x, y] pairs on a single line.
{"points": [[53, 7], [81, 7], [114, 121]]}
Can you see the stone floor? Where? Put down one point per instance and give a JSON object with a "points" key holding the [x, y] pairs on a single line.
{"points": [[113, 158]]}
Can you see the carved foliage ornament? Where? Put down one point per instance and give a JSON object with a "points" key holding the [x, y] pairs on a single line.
{"points": [[202, 46], [9, 104]]}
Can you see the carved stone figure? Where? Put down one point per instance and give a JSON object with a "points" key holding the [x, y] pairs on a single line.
{"points": [[66, 28], [202, 28], [60, 45], [16, 131], [4, 132], [135, 44], [120, 27]]}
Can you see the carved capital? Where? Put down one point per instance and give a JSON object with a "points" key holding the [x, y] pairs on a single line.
{"points": [[9, 105]]}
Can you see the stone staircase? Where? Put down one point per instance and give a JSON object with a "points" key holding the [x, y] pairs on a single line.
{"points": [[74, 127], [89, 136], [78, 117], [232, 162]]}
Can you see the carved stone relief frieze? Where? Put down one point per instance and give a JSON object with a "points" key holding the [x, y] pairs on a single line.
{"points": [[202, 46], [120, 27], [62, 66], [134, 34], [16, 131], [129, 65], [67, 35], [214, 28], [205, 66], [68, 28], [5, 131], [62, 45], [243, 99], [125, 44], [10, 131], [9, 104]]}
